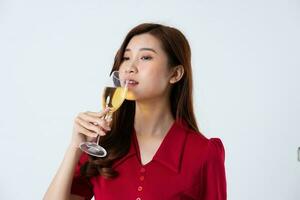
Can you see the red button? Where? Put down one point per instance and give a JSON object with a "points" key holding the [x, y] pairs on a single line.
{"points": [[143, 169], [140, 188], [142, 178], [138, 198]]}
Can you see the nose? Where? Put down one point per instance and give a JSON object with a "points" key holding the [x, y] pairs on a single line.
{"points": [[131, 68]]}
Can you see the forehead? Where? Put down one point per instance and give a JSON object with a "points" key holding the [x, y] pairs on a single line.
{"points": [[144, 41]]}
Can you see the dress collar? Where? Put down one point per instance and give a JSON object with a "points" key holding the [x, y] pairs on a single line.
{"points": [[170, 150]]}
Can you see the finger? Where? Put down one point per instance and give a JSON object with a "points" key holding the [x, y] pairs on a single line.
{"points": [[86, 132], [98, 114], [89, 133], [94, 120], [105, 124], [89, 126]]}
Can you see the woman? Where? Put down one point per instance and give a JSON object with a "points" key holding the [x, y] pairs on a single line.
{"points": [[155, 150]]}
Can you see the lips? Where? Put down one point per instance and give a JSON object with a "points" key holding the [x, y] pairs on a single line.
{"points": [[131, 83]]}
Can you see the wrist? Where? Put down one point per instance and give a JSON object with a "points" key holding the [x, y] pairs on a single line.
{"points": [[74, 148]]}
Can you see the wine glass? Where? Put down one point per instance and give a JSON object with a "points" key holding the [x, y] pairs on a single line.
{"points": [[113, 96]]}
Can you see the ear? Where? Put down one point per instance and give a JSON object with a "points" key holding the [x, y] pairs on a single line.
{"points": [[177, 73]]}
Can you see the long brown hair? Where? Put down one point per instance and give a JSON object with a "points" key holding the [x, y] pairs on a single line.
{"points": [[117, 141]]}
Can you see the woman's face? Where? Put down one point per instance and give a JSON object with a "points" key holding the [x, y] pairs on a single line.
{"points": [[145, 64]]}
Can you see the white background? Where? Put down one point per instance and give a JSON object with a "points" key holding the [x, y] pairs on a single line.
{"points": [[55, 54]]}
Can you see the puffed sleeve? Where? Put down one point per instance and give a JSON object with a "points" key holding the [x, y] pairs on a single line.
{"points": [[214, 177], [80, 185]]}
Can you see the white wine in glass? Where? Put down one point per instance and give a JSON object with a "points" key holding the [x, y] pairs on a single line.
{"points": [[113, 97]]}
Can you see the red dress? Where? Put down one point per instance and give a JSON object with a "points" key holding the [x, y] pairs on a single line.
{"points": [[187, 165]]}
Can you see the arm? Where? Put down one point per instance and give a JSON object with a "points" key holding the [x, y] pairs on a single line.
{"points": [[87, 126], [214, 176], [60, 186]]}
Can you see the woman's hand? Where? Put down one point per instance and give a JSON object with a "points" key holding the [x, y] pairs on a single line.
{"points": [[88, 125]]}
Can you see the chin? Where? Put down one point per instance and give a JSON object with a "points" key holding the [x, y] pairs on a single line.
{"points": [[130, 96], [133, 97]]}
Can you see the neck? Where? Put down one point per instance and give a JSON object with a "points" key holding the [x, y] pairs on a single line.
{"points": [[153, 117]]}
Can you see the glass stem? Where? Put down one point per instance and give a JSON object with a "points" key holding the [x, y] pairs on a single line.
{"points": [[98, 139], [107, 117]]}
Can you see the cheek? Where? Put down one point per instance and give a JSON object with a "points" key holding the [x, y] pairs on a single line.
{"points": [[158, 83], [156, 70], [153, 85], [122, 68]]}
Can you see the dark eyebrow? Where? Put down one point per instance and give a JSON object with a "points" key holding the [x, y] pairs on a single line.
{"points": [[144, 49]]}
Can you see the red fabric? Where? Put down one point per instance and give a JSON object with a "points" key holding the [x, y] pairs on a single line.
{"points": [[186, 166]]}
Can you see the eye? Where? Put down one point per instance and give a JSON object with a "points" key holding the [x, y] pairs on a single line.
{"points": [[146, 58], [125, 58]]}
